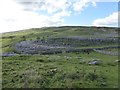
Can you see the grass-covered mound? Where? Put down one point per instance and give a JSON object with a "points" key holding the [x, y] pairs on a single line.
{"points": [[82, 57]]}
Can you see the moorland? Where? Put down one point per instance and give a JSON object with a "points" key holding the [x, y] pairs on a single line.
{"points": [[60, 57]]}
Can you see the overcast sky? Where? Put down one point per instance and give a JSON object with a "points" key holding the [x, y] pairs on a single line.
{"points": [[23, 14]]}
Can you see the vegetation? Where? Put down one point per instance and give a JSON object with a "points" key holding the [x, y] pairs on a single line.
{"points": [[65, 69]]}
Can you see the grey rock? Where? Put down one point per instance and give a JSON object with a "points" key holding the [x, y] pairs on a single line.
{"points": [[95, 62], [9, 54], [117, 60]]}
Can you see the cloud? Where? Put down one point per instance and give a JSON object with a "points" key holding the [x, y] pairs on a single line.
{"points": [[107, 0], [13, 17], [81, 4], [24, 14], [111, 20], [53, 6], [50, 6]]}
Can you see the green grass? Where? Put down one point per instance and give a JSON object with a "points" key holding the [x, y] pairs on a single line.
{"points": [[71, 71], [65, 70]]}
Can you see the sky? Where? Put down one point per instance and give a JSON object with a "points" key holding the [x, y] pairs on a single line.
{"points": [[24, 14]]}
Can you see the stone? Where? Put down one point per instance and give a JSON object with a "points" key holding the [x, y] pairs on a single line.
{"points": [[95, 62], [117, 60], [9, 54], [53, 70]]}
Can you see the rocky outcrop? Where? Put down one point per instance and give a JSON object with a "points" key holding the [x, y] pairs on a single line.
{"points": [[59, 45], [8, 54]]}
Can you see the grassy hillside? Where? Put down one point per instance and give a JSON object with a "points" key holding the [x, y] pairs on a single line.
{"points": [[9, 39], [61, 57]]}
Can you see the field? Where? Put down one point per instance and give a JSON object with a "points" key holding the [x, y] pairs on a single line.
{"points": [[60, 57]]}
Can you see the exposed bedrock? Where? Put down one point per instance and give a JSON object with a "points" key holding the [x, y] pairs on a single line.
{"points": [[59, 45]]}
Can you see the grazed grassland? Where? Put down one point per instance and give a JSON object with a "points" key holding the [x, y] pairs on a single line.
{"points": [[65, 69]]}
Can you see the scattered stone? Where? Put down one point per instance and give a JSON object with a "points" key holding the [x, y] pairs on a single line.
{"points": [[8, 54], [53, 70], [95, 62], [117, 60], [67, 57], [60, 45]]}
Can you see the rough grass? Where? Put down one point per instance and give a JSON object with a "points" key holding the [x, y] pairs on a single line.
{"points": [[59, 70], [65, 70]]}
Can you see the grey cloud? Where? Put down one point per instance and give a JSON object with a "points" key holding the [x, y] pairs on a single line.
{"points": [[31, 4], [40, 4]]}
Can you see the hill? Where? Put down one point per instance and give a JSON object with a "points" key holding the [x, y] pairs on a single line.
{"points": [[59, 57]]}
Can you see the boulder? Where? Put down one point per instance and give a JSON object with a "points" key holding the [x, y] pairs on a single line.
{"points": [[117, 60], [95, 62]]}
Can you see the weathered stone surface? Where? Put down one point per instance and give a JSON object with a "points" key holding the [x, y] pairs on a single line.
{"points": [[106, 52], [117, 60], [95, 62], [8, 54], [58, 45]]}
